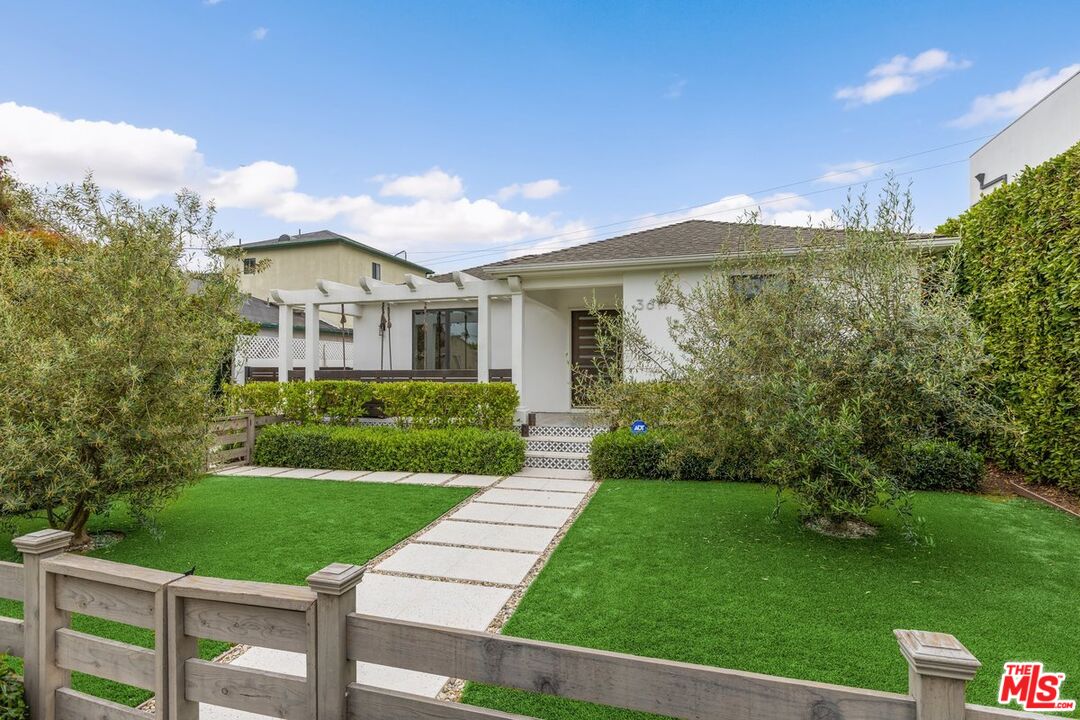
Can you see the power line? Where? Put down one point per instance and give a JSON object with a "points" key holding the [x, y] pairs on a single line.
{"points": [[483, 252], [480, 252]]}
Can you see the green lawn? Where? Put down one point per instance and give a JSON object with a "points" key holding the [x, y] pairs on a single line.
{"points": [[268, 529], [696, 572]]}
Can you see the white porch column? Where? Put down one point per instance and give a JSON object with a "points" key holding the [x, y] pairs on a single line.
{"points": [[483, 337], [517, 348], [284, 335], [311, 340]]}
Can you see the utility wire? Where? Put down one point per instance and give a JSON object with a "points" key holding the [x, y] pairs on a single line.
{"points": [[456, 254]]}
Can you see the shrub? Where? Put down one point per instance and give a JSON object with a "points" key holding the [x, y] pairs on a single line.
{"points": [[446, 450], [658, 454], [1020, 265], [12, 697], [941, 465], [417, 403]]}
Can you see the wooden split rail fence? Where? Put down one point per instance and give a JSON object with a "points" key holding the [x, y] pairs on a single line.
{"points": [[319, 623]]}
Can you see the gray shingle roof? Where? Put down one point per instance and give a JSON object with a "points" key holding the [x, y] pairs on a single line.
{"points": [[692, 238], [324, 236]]}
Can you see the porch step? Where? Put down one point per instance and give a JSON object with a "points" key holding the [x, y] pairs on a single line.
{"points": [[554, 473], [557, 460], [567, 432], [555, 454], [554, 443]]}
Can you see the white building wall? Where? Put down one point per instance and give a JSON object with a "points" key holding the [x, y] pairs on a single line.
{"points": [[639, 301], [1049, 128]]}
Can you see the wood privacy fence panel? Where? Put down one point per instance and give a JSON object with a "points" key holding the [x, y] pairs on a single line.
{"points": [[318, 622], [234, 438]]}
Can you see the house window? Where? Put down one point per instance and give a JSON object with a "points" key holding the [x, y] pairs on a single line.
{"points": [[747, 287], [445, 339], [249, 266], [376, 271]]}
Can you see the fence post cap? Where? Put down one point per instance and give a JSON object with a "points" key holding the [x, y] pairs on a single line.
{"points": [[42, 541], [335, 578], [937, 654]]}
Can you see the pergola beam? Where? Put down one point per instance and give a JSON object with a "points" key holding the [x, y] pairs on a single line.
{"points": [[338, 293]]}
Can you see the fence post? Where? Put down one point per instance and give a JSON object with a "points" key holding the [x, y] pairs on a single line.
{"points": [[335, 586], [249, 441], [939, 667], [41, 618]]}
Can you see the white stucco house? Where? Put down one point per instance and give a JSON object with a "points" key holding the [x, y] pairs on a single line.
{"points": [[524, 319], [1049, 128]]}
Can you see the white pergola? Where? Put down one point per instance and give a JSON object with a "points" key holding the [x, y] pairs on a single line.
{"points": [[353, 298]]}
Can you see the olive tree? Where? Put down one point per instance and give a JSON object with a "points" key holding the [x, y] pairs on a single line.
{"points": [[814, 372], [110, 346]]}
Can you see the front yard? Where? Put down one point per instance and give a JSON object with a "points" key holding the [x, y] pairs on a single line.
{"points": [[695, 572], [267, 529]]}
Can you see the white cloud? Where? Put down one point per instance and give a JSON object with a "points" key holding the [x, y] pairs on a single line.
{"points": [[536, 190], [899, 76], [211, 2], [425, 211], [675, 89], [259, 33], [143, 162], [848, 173], [432, 185], [1009, 104]]}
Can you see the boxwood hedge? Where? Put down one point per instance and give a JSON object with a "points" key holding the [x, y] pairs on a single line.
{"points": [[654, 455], [1020, 264], [416, 403], [445, 450]]}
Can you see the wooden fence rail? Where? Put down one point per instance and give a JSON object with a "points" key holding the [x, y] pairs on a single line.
{"points": [[234, 438], [319, 623]]}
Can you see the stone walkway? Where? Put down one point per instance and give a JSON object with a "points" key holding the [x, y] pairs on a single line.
{"points": [[466, 570]]}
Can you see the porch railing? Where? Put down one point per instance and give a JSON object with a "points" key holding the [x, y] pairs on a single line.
{"points": [[319, 622]]}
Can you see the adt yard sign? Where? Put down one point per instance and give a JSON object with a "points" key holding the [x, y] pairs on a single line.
{"points": [[638, 427]]}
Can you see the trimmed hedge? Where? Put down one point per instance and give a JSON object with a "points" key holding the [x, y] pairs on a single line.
{"points": [[445, 450], [941, 465], [653, 456], [1020, 264], [417, 403]]}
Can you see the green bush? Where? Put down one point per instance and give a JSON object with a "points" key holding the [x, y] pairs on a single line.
{"points": [[12, 697], [658, 454], [418, 404], [1020, 266], [446, 450], [941, 465]]}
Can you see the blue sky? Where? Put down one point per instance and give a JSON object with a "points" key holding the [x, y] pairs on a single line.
{"points": [[443, 127]]}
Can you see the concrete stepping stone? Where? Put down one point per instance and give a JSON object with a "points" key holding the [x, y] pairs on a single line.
{"points": [[530, 497], [427, 478], [343, 475], [554, 484], [495, 537], [474, 480], [260, 471], [302, 473], [391, 678], [384, 476], [513, 514], [240, 470], [548, 473], [471, 607], [494, 566]]}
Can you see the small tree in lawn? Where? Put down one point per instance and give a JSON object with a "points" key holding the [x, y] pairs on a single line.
{"points": [[816, 373], [109, 349]]}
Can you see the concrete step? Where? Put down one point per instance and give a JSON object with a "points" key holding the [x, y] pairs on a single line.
{"points": [[556, 455], [536, 437], [556, 445], [553, 473], [566, 431]]}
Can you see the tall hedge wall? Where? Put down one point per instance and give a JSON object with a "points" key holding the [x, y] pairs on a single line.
{"points": [[423, 404], [1020, 262]]}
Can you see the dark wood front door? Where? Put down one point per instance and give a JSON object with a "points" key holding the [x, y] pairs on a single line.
{"points": [[585, 355]]}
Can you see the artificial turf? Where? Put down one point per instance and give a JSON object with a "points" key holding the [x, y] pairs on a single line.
{"points": [[267, 529], [697, 572]]}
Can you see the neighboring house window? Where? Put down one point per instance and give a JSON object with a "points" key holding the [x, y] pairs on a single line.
{"points": [[249, 266], [444, 339], [747, 287], [376, 271]]}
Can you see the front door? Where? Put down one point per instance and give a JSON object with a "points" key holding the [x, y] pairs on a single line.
{"points": [[585, 357]]}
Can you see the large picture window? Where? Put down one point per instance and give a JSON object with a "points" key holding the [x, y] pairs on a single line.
{"points": [[444, 339]]}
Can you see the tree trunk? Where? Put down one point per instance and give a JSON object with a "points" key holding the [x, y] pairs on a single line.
{"points": [[76, 524]]}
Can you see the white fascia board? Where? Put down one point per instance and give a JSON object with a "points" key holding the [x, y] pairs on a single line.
{"points": [[337, 293]]}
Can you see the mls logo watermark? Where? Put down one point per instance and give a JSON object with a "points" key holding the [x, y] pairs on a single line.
{"points": [[1032, 688]]}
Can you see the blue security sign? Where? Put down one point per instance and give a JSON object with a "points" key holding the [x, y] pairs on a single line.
{"points": [[638, 427]]}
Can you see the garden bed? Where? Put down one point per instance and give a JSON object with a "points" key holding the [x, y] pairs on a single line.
{"points": [[265, 529], [696, 572]]}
